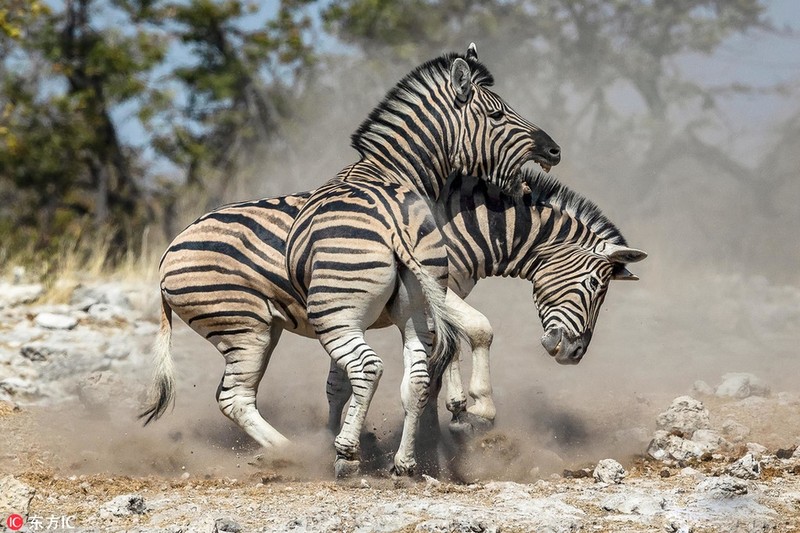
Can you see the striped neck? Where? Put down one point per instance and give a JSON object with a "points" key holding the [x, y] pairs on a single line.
{"points": [[412, 136], [494, 234]]}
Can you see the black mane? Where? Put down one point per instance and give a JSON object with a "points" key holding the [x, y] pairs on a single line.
{"points": [[438, 67], [546, 190]]}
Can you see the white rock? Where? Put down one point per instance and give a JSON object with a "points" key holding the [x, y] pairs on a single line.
{"points": [[15, 496], [55, 321], [756, 449], [124, 505], [83, 297], [17, 387], [609, 471], [40, 351], [107, 313], [748, 467], [685, 415], [99, 391], [741, 385], [633, 503], [734, 430], [710, 440], [666, 446], [723, 487], [691, 472], [701, 387], [11, 295], [226, 525]]}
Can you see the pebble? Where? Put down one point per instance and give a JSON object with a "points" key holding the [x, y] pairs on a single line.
{"points": [[226, 525], [55, 321]]}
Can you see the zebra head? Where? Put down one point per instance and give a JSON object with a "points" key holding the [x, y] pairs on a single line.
{"points": [[494, 141], [442, 119], [569, 289]]}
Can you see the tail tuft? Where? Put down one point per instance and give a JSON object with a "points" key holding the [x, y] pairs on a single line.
{"points": [[163, 388]]}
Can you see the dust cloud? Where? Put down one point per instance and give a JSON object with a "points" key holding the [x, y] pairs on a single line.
{"points": [[719, 292]]}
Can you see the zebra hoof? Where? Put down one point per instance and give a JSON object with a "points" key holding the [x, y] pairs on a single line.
{"points": [[345, 468], [466, 424], [403, 470]]}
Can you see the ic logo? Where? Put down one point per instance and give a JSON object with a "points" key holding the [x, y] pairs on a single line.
{"points": [[15, 522]]}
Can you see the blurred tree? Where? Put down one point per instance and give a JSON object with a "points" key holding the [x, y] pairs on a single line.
{"points": [[577, 56], [62, 77], [236, 88]]}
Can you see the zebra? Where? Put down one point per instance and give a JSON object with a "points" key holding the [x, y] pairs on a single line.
{"points": [[347, 251], [224, 275], [487, 233], [551, 236]]}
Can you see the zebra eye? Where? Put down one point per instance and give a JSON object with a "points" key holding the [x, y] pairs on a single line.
{"points": [[497, 114], [592, 284]]}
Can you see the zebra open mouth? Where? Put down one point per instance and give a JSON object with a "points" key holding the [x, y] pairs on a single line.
{"points": [[542, 163]]}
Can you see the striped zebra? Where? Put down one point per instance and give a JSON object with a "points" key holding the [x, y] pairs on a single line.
{"points": [[224, 275], [551, 236], [347, 252]]}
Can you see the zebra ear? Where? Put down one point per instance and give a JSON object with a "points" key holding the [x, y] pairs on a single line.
{"points": [[622, 254], [461, 79], [472, 51]]}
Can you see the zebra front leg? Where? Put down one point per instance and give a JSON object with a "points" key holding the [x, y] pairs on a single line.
{"points": [[247, 352], [338, 391], [363, 368], [479, 416]]}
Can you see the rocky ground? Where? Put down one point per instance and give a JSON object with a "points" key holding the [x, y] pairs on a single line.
{"points": [[714, 455]]}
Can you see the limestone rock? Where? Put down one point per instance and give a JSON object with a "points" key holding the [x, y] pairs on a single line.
{"points": [[15, 496], [748, 467], [124, 505], [609, 471], [11, 295], [55, 321], [685, 415], [226, 525], [723, 487], [741, 385]]}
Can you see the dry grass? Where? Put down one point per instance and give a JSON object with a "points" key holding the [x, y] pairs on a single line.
{"points": [[88, 258]]}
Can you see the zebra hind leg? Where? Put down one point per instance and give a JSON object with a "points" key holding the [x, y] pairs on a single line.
{"points": [[247, 353], [414, 391], [363, 368], [338, 391]]}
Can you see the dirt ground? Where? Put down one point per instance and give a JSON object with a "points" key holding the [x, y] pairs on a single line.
{"points": [[98, 469]]}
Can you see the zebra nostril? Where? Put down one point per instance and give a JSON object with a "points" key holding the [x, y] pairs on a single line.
{"points": [[555, 151]]}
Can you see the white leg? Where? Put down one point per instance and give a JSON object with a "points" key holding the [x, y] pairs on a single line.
{"points": [[338, 390], [363, 369], [413, 391], [480, 334], [456, 401], [246, 357]]}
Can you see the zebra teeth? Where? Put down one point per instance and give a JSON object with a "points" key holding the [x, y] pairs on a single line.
{"points": [[545, 166]]}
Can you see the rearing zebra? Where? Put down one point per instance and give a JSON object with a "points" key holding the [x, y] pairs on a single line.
{"points": [[224, 274], [347, 251]]}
